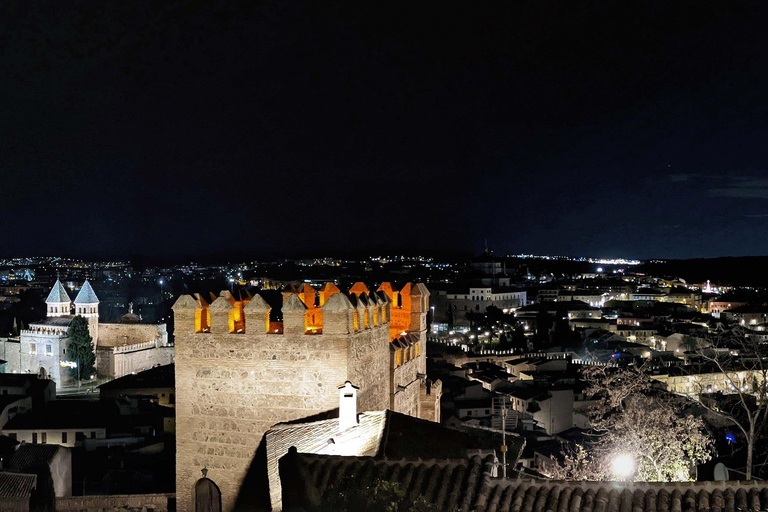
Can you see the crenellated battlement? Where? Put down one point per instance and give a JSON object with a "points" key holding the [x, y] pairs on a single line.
{"points": [[307, 311]]}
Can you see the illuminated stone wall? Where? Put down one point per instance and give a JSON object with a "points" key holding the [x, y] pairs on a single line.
{"points": [[232, 386], [113, 363], [34, 355], [117, 335]]}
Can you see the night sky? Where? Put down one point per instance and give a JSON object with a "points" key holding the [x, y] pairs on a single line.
{"points": [[185, 130]]}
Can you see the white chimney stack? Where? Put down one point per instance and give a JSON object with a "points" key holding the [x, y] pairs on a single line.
{"points": [[347, 406]]}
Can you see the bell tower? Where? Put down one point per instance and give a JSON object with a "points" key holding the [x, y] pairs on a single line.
{"points": [[87, 306], [58, 302]]}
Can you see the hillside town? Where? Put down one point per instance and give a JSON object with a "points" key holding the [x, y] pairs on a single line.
{"points": [[502, 361]]}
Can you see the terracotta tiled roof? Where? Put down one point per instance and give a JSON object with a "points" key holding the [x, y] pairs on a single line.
{"points": [[470, 485], [380, 435], [32, 457], [16, 485], [308, 480]]}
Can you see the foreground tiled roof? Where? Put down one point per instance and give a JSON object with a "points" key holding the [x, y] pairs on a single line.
{"points": [[86, 295], [58, 294], [469, 485], [16, 485], [32, 457], [157, 377], [309, 480], [380, 435]]}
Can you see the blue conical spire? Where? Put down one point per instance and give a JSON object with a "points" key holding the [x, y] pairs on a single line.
{"points": [[86, 295], [58, 294]]}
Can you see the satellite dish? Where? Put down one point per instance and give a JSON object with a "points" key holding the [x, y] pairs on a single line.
{"points": [[721, 472]]}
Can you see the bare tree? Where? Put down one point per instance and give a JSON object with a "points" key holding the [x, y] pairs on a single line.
{"points": [[735, 366], [632, 420]]}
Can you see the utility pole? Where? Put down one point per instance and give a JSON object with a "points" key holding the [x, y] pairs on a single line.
{"points": [[504, 440]]}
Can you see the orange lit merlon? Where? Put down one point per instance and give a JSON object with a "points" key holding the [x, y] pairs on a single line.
{"points": [[326, 291], [359, 289], [308, 295], [237, 318], [400, 314], [408, 307], [202, 316]]}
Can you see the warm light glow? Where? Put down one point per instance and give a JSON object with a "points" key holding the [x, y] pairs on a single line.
{"points": [[623, 465]]}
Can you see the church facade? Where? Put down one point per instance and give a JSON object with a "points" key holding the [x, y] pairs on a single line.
{"points": [[120, 348]]}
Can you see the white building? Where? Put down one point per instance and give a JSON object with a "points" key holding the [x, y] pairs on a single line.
{"points": [[479, 298]]}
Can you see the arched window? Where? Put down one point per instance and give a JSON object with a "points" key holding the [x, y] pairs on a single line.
{"points": [[207, 496]]}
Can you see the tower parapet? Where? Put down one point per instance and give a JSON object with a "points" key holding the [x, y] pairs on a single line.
{"points": [[304, 311]]}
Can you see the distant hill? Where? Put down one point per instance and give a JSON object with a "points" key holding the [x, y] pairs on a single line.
{"points": [[742, 271]]}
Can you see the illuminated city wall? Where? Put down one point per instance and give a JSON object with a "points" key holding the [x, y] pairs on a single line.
{"points": [[236, 376]]}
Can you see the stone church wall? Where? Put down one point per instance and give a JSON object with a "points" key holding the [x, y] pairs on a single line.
{"points": [[116, 362], [117, 335]]}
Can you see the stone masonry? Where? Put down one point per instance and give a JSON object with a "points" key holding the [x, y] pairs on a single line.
{"points": [[238, 374]]}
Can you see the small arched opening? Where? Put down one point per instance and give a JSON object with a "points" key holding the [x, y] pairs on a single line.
{"points": [[207, 496]]}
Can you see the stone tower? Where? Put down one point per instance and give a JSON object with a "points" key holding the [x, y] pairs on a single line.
{"points": [[87, 306], [58, 302], [238, 373]]}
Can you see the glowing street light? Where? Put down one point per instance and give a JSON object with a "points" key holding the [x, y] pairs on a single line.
{"points": [[623, 466]]}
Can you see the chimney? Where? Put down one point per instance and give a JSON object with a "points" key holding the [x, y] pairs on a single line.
{"points": [[347, 406]]}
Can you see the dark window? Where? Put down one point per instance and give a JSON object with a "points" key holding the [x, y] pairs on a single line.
{"points": [[93, 435], [44, 437], [34, 437], [172, 398], [12, 436], [63, 437]]}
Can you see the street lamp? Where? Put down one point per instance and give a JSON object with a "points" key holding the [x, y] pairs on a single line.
{"points": [[623, 466]]}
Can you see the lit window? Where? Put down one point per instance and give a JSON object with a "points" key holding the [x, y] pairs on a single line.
{"points": [[32, 348], [48, 350]]}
